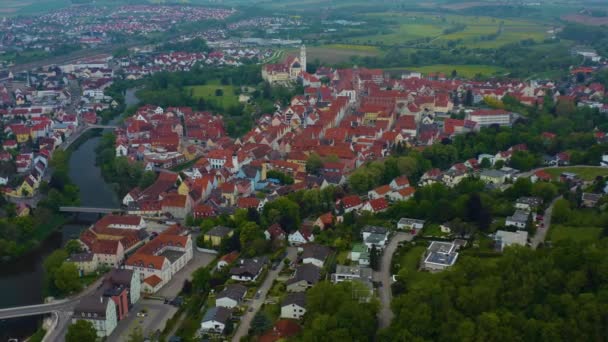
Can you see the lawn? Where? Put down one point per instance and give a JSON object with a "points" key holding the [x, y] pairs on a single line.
{"points": [[433, 230], [467, 71], [30, 7], [587, 173], [209, 93], [560, 232]]}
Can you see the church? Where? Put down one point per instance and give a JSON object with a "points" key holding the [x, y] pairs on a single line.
{"points": [[287, 71]]}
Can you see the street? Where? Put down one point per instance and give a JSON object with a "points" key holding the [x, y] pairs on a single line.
{"points": [[256, 304], [541, 233], [385, 315]]}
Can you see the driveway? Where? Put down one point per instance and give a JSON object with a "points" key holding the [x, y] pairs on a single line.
{"points": [[256, 304], [541, 233], [384, 276]]}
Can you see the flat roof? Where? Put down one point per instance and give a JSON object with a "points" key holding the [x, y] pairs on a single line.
{"points": [[172, 255], [441, 247], [443, 259]]}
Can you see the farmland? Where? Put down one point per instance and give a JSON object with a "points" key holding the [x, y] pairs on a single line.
{"points": [[19, 7]]}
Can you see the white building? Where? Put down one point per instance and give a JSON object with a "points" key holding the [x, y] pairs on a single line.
{"points": [[294, 306], [487, 117], [100, 311], [410, 224], [440, 255], [215, 320], [504, 238], [519, 219]]}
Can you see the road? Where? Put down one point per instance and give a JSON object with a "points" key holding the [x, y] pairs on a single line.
{"points": [[541, 233], [385, 315], [256, 304]]}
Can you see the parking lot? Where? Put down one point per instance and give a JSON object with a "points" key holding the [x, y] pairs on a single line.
{"points": [[157, 314]]}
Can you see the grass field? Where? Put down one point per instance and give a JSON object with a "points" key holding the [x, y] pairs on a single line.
{"points": [[559, 232], [339, 53], [587, 173], [407, 27], [467, 71], [30, 7], [208, 93]]}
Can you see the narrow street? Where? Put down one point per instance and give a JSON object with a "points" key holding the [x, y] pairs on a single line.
{"points": [[256, 304], [541, 233], [384, 276]]}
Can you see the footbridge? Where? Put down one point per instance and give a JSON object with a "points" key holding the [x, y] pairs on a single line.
{"points": [[90, 210]]}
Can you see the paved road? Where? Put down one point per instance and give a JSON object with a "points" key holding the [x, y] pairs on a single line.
{"points": [[385, 315], [541, 233], [256, 304]]}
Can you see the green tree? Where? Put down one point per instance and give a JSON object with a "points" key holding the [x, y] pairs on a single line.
{"points": [[314, 164], [260, 323], [136, 335], [81, 331], [73, 247], [66, 278]]}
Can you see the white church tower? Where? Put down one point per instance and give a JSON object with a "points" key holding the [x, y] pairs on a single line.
{"points": [[303, 57]]}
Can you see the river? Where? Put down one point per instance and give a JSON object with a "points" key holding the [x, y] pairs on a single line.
{"points": [[21, 282]]}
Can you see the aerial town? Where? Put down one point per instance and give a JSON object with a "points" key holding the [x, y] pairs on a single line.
{"points": [[228, 183]]}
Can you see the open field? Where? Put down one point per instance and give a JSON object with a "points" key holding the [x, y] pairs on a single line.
{"points": [[18, 7], [474, 32], [585, 19], [587, 173], [467, 71], [332, 54], [559, 232], [208, 93]]}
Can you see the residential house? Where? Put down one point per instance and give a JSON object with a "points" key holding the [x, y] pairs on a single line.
{"points": [[305, 277], [440, 255], [353, 273], [294, 305], [349, 203], [217, 234], [227, 259], [410, 224], [85, 262], [301, 236], [504, 238], [315, 254], [275, 233], [215, 320], [360, 254], [528, 203], [325, 221], [519, 219], [377, 205], [100, 311], [379, 192], [495, 177], [374, 236], [402, 194], [231, 296], [282, 330], [248, 269]]}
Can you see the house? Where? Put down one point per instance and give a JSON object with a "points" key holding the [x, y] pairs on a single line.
{"points": [[590, 200], [301, 236], [227, 259], [100, 311], [519, 219], [282, 330], [410, 224], [122, 222], [86, 262], [215, 320], [360, 254], [353, 273], [305, 277], [294, 305], [399, 183], [315, 254], [349, 203], [495, 177], [374, 236], [440, 255], [402, 194], [488, 117], [217, 234], [248, 269], [504, 238], [324, 221], [541, 175], [376, 205], [528, 203], [275, 233], [231, 296], [379, 192]]}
